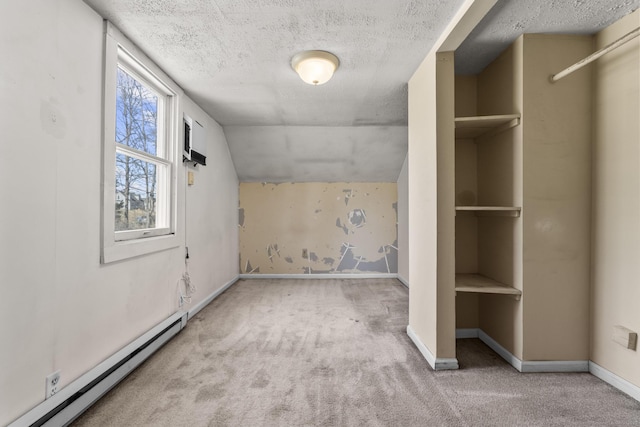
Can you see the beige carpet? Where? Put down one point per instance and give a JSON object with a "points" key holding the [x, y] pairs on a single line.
{"points": [[336, 353]]}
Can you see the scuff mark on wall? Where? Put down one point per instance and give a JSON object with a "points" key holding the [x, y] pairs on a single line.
{"points": [[52, 119], [313, 257], [328, 261], [288, 259], [348, 195]]}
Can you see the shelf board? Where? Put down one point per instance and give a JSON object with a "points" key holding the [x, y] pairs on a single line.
{"points": [[491, 210], [479, 284], [473, 127]]}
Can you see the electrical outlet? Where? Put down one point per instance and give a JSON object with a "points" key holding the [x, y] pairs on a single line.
{"points": [[625, 337], [53, 381]]}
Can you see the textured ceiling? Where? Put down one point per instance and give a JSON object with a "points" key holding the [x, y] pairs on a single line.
{"points": [[233, 58], [510, 18]]}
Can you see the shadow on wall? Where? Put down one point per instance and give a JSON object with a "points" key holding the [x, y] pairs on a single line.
{"points": [[318, 228]]}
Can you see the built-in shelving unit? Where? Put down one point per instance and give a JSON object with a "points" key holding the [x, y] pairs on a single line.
{"points": [[474, 127], [479, 284], [491, 210], [498, 180], [479, 237]]}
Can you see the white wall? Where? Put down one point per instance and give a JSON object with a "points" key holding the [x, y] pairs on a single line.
{"points": [[403, 222], [62, 309], [615, 290], [211, 212]]}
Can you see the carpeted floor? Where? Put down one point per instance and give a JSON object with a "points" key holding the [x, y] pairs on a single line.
{"points": [[336, 353]]}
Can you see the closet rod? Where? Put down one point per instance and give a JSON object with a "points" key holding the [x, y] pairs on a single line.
{"points": [[589, 59]]}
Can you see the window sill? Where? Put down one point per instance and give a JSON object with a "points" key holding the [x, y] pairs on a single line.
{"points": [[118, 251]]}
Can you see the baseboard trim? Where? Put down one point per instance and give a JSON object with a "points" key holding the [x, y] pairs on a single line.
{"points": [[202, 304], [76, 397], [437, 364], [502, 352], [555, 366], [467, 333], [614, 380], [446, 364], [532, 365], [403, 281], [320, 276]]}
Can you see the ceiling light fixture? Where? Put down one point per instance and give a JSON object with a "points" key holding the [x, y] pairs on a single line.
{"points": [[315, 67]]}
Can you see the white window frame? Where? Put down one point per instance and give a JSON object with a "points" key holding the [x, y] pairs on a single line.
{"points": [[117, 246]]}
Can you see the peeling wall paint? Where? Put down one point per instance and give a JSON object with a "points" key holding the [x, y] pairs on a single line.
{"points": [[318, 228]]}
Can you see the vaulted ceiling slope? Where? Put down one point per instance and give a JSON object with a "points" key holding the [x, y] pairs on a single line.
{"points": [[511, 18], [233, 58]]}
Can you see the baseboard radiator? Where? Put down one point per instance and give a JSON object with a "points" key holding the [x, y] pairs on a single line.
{"points": [[70, 402]]}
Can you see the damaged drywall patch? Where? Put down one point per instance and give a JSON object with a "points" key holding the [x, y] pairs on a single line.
{"points": [[348, 195], [315, 271], [357, 217], [390, 253], [343, 227], [272, 250], [378, 266], [328, 261], [311, 223], [347, 260], [249, 268], [351, 261]]}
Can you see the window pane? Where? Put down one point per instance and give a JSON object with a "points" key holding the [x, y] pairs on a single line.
{"points": [[136, 183], [136, 114]]}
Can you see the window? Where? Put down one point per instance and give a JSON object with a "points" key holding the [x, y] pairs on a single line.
{"points": [[140, 149], [142, 167]]}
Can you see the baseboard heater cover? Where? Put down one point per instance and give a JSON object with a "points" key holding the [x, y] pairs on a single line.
{"points": [[63, 408]]}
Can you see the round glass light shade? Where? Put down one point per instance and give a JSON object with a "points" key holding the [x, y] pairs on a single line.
{"points": [[315, 67]]}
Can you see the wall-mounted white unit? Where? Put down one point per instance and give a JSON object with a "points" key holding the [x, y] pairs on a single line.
{"points": [[195, 142]]}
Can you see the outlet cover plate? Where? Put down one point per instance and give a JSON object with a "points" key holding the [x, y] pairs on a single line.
{"points": [[52, 384], [625, 337]]}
